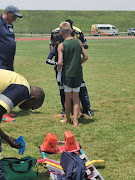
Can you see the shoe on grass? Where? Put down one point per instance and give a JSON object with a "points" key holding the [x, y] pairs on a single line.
{"points": [[88, 112]]}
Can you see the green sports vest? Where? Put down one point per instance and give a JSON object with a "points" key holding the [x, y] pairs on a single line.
{"points": [[71, 61]]}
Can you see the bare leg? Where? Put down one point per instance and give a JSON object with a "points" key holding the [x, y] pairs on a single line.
{"points": [[68, 97], [76, 104], [80, 113]]}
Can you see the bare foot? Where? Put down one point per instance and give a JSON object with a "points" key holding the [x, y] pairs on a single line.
{"points": [[76, 124]]}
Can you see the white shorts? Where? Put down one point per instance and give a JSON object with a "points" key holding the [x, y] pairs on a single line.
{"points": [[69, 89]]}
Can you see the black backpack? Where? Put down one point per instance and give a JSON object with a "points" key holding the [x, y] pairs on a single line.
{"points": [[73, 166]]}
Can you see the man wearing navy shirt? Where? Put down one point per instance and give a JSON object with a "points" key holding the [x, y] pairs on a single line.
{"points": [[7, 37]]}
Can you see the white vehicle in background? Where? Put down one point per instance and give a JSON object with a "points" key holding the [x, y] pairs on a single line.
{"points": [[104, 29], [131, 31]]}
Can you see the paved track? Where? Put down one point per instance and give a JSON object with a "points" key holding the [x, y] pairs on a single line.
{"points": [[111, 37], [32, 39], [92, 37]]}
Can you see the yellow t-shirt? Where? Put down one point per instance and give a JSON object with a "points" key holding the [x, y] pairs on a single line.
{"points": [[14, 89]]}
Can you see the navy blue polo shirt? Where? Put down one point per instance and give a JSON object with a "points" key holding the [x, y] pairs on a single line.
{"points": [[7, 45]]}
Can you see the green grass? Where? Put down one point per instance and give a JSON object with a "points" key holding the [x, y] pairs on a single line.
{"points": [[45, 21], [109, 74]]}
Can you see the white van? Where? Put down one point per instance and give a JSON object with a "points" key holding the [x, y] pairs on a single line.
{"points": [[104, 29]]}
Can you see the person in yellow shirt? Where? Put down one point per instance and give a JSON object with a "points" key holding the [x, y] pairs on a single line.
{"points": [[16, 91]]}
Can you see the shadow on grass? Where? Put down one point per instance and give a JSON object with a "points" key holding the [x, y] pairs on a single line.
{"points": [[43, 176], [100, 167], [22, 113], [85, 120]]}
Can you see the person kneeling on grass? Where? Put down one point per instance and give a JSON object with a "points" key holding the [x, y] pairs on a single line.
{"points": [[69, 61], [16, 91]]}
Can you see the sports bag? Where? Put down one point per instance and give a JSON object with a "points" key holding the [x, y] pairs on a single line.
{"points": [[19, 169], [73, 166]]}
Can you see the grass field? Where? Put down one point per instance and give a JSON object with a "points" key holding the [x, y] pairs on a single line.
{"points": [[110, 135]]}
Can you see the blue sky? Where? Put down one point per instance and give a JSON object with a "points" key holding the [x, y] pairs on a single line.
{"points": [[122, 5]]}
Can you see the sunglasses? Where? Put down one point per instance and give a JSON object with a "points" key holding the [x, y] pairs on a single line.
{"points": [[13, 15]]}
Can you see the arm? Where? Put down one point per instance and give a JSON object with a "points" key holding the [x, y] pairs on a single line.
{"points": [[60, 57], [50, 56], [49, 61], [84, 54], [83, 40], [10, 140], [50, 46]]}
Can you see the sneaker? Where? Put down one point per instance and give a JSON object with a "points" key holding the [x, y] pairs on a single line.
{"points": [[7, 118], [88, 112]]}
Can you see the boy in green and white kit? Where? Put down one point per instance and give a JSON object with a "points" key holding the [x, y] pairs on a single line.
{"points": [[69, 61]]}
